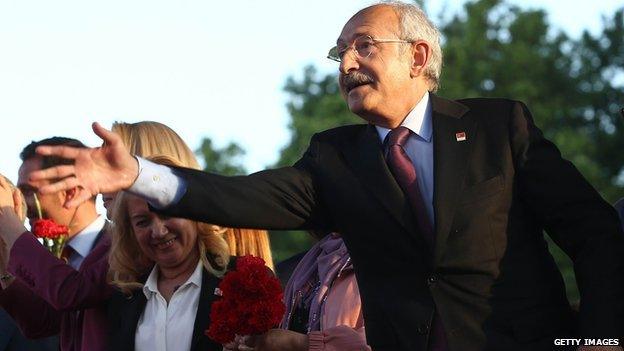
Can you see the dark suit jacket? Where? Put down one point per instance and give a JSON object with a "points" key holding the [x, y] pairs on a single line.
{"points": [[619, 207], [50, 297], [490, 275], [124, 313]]}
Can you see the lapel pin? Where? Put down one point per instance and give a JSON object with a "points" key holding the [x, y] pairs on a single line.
{"points": [[460, 136], [218, 292]]}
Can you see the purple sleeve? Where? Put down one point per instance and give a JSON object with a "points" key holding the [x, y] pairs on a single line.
{"points": [[63, 287], [34, 316]]}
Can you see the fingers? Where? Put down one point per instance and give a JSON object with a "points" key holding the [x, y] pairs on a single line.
{"points": [[106, 135], [61, 185], [239, 343], [60, 151], [230, 346], [53, 173], [242, 342], [77, 200], [5, 190], [3, 182], [18, 204]]}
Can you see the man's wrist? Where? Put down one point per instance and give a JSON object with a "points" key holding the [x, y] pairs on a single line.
{"points": [[157, 184]]}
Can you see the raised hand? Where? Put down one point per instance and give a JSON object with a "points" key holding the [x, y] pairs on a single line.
{"points": [[11, 221], [104, 169]]}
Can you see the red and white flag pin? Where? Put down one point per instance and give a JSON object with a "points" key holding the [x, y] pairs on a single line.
{"points": [[460, 136]]}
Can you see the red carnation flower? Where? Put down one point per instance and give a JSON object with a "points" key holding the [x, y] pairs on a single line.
{"points": [[47, 228], [251, 302]]}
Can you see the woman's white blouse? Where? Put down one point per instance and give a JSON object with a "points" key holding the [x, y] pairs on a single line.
{"points": [[165, 327]]}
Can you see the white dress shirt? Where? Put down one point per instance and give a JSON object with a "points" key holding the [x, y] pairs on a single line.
{"points": [[83, 242], [168, 327]]}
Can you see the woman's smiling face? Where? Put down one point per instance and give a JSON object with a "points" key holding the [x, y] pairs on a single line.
{"points": [[168, 241]]}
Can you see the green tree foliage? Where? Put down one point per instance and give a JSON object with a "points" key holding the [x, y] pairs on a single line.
{"points": [[574, 88], [315, 105], [571, 86], [224, 161]]}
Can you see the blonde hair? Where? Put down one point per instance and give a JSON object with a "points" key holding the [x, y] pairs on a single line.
{"points": [[149, 138], [127, 263], [249, 242]]}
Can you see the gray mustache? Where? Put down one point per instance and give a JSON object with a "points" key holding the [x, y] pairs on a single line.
{"points": [[355, 79]]}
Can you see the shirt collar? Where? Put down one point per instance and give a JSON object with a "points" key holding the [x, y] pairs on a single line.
{"points": [[151, 285], [83, 241], [418, 121]]}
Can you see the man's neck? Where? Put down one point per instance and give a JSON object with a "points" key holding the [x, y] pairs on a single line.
{"points": [[85, 215], [395, 120]]}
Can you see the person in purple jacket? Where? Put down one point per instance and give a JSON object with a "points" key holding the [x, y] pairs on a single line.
{"points": [[11, 338], [46, 295]]}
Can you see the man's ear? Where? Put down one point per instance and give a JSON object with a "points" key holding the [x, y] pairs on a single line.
{"points": [[421, 52]]}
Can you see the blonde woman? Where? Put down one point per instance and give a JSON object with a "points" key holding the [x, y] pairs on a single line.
{"points": [[73, 291], [149, 138], [166, 269]]}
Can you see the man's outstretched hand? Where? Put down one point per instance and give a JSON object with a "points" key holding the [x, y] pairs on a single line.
{"points": [[109, 168]]}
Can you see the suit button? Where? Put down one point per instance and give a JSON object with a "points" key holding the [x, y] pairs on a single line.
{"points": [[432, 279], [423, 329]]}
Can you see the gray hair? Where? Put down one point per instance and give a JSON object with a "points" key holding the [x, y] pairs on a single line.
{"points": [[414, 25]]}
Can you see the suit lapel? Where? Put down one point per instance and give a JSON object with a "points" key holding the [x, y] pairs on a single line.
{"points": [[131, 310], [365, 157], [450, 156], [202, 318]]}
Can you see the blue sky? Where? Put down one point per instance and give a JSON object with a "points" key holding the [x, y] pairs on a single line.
{"points": [[204, 68]]}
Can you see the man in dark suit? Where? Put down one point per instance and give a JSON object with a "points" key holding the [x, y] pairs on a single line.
{"points": [[442, 204]]}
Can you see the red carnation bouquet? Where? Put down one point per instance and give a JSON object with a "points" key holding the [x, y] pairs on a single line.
{"points": [[52, 234], [251, 302]]}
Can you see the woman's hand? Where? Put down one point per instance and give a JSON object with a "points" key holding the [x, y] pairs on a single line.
{"points": [[273, 340], [11, 226]]}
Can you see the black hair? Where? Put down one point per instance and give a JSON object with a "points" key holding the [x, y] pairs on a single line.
{"points": [[50, 161]]}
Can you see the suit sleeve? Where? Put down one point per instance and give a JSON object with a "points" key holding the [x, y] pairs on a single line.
{"points": [[63, 287], [279, 199], [35, 317], [579, 221]]}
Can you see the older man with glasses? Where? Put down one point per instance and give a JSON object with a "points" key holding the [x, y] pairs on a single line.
{"points": [[442, 204]]}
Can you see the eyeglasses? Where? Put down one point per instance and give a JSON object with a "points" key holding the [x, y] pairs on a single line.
{"points": [[363, 47]]}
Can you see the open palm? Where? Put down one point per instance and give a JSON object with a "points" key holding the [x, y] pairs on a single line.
{"points": [[108, 168]]}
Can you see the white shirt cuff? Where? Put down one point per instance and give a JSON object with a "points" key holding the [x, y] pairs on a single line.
{"points": [[158, 184]]}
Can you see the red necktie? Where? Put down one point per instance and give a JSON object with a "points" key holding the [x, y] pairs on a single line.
{"points": [[404, 172], [67, 252]]}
